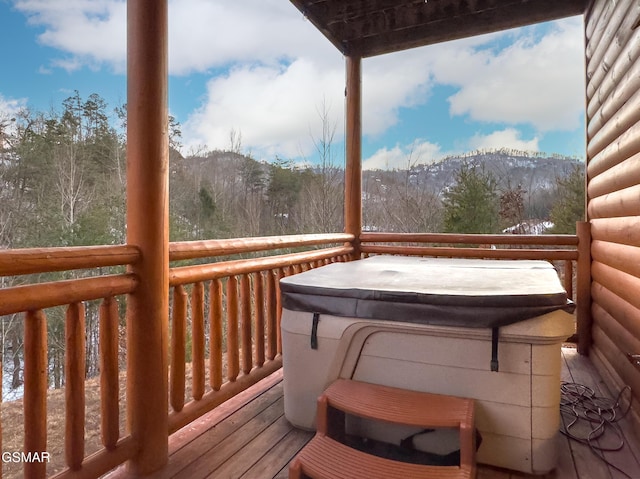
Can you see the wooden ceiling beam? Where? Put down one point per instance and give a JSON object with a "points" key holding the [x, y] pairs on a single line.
{"points": [[372, 27]]}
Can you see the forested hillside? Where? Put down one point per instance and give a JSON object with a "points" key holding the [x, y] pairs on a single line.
{"points": [[63, 183], [523, 187]]}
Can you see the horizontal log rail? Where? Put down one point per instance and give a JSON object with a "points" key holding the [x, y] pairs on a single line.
{"points": [[455, 238], [193, 274], [14, 262], [226, 247], [59, 293], [441, 251], [102, 461], [511, 246]]}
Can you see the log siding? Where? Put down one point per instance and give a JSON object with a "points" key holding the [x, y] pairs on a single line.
{"points": [[613, 187]]}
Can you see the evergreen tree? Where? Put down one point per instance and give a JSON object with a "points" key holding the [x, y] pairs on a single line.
{"points": [[569, 205], [472, 204]]}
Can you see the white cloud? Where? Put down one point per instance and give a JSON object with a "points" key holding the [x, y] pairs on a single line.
{"points": [[275, 108], [507, 138], [90, 31], [270, 70], [206, 34], [391, 82], [203, 34], [402, 157], [533, 81]]}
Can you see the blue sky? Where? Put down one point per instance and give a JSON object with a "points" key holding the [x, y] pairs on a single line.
{"points": [[257, 67]]}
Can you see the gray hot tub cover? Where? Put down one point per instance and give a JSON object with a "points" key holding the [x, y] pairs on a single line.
{"points": [[446, 292]]}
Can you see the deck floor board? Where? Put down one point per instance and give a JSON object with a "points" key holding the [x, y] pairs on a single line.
{"points": [[249, 438]]}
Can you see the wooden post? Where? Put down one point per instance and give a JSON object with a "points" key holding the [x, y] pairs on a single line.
{"points": [[147, 229], [353, 140], [583, 293]]}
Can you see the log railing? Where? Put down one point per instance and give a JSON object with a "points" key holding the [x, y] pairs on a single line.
{"points": [[33, 300], [554, 248], [224, 320], [570, 253], [231, 308]]}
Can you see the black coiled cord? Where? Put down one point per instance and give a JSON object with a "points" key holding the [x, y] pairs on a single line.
{"points": [[582, 409]]}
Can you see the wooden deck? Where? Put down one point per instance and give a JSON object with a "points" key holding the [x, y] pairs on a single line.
{"points": [[248, 437]]}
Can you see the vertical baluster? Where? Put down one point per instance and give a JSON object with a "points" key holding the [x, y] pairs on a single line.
{"points": [[258, 302], [272, 306], [74, 368], [109, 380], [233, 365], [35, 391], [197, 339], [245, 322], [280, 274], [215, 325], [178, 345]]}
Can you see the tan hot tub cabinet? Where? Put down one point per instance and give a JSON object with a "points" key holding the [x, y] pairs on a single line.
{"points": [[426, 324]]}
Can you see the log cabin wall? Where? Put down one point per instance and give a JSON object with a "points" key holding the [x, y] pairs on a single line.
{"points": [[612, 50]]}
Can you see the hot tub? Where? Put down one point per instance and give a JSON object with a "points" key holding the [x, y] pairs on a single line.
{"points": [[485, 329]]}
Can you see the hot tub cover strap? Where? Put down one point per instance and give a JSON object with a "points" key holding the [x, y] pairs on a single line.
{"points": [[495, 335]]}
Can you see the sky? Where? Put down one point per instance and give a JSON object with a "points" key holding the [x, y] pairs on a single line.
{"points": [[259, 69]]}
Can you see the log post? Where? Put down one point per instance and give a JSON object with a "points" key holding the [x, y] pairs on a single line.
{"points": [[583, 293], [147, 229], [353, 140]]}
